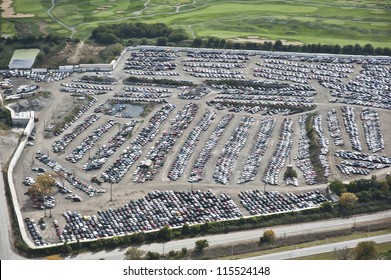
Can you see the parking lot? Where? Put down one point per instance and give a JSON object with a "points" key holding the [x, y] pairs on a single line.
{"points": [[192, 159]]}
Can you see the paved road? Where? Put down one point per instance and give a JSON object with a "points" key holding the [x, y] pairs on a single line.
{"points": [[320, 249], [236, 237], [5, 250]]}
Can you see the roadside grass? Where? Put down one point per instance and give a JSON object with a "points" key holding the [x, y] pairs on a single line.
{"points": [[381, 248], [309, 244]]}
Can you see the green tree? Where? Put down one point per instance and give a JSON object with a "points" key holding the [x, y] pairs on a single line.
{"points": [[197, 42], [161, 41], [268, 236], [348, 200], [327, 207], [153, 256], [201, 244], [134, 254], [365, 250], [184, 251], [337, 187], [165, 234]]}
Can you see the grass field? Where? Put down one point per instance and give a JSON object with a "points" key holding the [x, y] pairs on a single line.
{"points": [[314, 21], [381, 248]]}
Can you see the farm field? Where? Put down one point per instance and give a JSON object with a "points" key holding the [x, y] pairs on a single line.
{"points": [[324, 22], [227, 139]]}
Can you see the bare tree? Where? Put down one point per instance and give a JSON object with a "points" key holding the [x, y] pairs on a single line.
{"points": [[344, 253]]}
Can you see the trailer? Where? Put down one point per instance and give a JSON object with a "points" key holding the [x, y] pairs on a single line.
{"points": [[26, 88]]}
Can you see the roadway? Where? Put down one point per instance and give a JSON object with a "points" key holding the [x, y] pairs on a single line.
{"points": [[241, 236], [297, 253], [6, 252]]}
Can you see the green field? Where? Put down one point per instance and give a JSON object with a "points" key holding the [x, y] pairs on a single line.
{"points": [[326, 22]]}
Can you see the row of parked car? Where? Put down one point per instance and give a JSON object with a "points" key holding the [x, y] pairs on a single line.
{"points": [[373, 134], [60, 144], [202, 158], [334, 127], [148, 89], [280, 154], [69, 176], [303, 153], [214, 65], [258, 98], [225, 55], [104, 79], [259, 203], [105, 151], [364, 164], [36, 235], [38, 77], [187, 149], [351, 170], [324, 145], [132, 152], [309, 73], [141, 95], [326, 66], [151, 73], [157, 154], [258, 149], [81, 92], [278, 89], [371, 88], [87, 86], [373, 158], [154, 211], [148, 64], [88, 142], [351, 127], [230, 153], [83, 109]]}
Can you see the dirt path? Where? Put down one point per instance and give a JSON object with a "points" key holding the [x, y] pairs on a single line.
{"points": [[75, 58], [9, 12]]}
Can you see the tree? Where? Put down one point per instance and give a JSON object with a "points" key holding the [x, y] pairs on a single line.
{"points": [[184, 251], [41, 188], [337, 187], [153, 256], [269, 237], [197, 42], [277, 45], [365, 250], [344, 253], [165, 234], [327, 207], [201, 244], [348, 200], [62, 177], [161, 41], [134, 254]]}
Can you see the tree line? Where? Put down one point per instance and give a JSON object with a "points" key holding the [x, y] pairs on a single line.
{"points": [[163, 35], [110, 34]]}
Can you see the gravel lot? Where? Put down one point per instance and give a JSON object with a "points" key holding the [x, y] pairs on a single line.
{"points": [[60, 103]]}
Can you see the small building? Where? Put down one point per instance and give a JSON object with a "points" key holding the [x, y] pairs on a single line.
{"points": [[22, 118]]}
